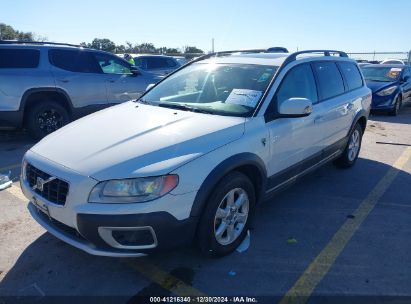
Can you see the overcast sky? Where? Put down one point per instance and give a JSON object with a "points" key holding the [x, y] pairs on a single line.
{"points": [[350, 25]]}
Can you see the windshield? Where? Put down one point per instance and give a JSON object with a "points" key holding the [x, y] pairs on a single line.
{"points": [[386, 74], [223, 89]]}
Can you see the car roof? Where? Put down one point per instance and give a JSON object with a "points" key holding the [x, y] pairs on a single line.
{"points": [[270, 59], [386, 65], [51, 46], [151, 55]]}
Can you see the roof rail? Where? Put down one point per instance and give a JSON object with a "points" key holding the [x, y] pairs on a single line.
{"points": [[38, 43], [293, 56], [246, 51]]}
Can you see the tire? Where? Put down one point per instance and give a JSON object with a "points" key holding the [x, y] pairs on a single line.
{"points": [[237, 220], [397, 106], [352, 150], [45, 118]]}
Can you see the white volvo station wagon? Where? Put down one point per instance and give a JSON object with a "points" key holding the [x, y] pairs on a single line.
{"points": [[190, 160]]}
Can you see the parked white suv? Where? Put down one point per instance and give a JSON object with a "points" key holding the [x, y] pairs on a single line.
{"points": [[192, 158]]}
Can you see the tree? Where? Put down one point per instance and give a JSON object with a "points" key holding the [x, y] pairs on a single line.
{"points": [[161, 50], [192, 50], [146, 48], [9, 33], [172, 51], [83, 44], [103, 44], [120, 49]]}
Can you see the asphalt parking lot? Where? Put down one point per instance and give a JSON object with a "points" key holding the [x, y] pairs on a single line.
{"points": [[333, 234]]}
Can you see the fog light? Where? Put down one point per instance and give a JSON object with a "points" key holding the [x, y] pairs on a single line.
{"points": [[133, 237]]}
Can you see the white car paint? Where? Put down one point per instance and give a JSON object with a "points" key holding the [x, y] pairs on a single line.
{"points": [[137, 140]]}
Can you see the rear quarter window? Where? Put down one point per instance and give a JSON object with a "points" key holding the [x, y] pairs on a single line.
{"points": [[171, 63], [329, 79], [19, 58], [351, 74]]}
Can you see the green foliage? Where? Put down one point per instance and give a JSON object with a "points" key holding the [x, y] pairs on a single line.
{"points": [[9, 33], [192, 50]]}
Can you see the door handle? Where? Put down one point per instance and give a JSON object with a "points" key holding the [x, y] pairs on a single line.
{"points": [[63, 80]]}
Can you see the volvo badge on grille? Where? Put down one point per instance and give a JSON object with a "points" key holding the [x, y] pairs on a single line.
{"points": [[41, 182]]}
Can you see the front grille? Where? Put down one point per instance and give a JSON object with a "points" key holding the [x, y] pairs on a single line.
{"points": [[54, 191]]}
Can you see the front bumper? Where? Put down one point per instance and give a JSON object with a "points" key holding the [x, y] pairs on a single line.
{"points": [[382, 102], [105, 229], [94, 232]]}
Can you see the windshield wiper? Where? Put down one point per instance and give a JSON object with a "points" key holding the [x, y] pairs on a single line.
{"points": [[184, 108], [143, 101]]}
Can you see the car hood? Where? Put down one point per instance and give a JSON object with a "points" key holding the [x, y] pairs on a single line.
{"points": [[376, 86], [134, 140]]}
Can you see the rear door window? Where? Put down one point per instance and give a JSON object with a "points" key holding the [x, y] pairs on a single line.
{"points": [[329, 79], [156, 63], [351, 74], [79, 61], [19, 58]]}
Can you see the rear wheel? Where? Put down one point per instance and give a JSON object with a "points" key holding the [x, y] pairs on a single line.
{"points": [[397, 106], [352, 150], [45, 118], [226, 219]]}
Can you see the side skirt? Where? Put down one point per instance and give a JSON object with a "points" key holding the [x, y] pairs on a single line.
{"points": [[288, 176]]}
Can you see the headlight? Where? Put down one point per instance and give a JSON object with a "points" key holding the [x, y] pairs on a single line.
{"points": [[133, 190], [387, 91]]}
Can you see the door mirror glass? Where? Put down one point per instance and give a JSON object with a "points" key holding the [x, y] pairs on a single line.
{"points": [[295, 107]]}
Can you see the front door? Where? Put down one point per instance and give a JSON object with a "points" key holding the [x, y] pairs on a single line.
{"points": [[293, 140], [122, 85]]}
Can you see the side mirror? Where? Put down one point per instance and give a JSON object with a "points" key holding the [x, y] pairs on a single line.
{"points": [[295, 107], [134, 70], [150, 86]]}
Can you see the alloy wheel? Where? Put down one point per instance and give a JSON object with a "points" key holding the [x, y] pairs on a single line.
{"points": [[231, 216]]}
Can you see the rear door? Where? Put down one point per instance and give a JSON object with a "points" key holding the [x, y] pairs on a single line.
{"points": [[160, 65], [77, 72], [293, 140], [122, 84], [336, 107]]}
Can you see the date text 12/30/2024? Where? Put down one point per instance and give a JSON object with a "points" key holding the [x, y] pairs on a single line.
{"points": [[203, 299]]}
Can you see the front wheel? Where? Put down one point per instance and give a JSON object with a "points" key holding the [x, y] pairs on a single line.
{"points": [[352, 150], [397, 106], [226, 219], [45, 118]]}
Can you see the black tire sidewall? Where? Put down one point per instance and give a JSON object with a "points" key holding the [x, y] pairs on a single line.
{"points": [[206, 238], [348, 162], [397, 106], [31, 122]]}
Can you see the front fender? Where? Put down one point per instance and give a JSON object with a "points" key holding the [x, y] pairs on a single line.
{"points": [[222, 169]]}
